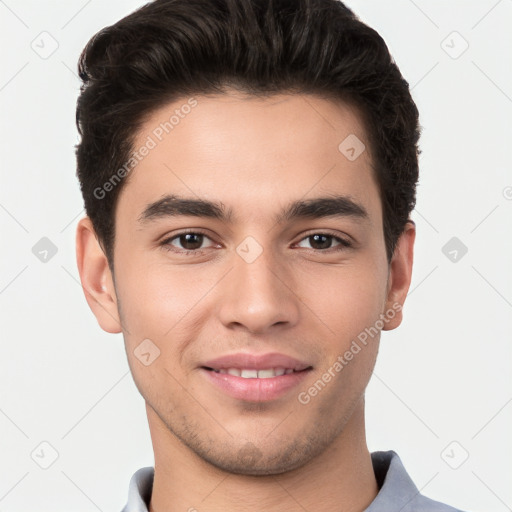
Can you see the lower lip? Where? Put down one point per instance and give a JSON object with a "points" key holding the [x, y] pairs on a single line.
{"points": [[255, 390]]}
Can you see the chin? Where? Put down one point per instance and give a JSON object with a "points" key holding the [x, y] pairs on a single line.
{"points": [[252, 461]]}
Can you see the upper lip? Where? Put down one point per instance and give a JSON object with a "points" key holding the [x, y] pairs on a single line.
{"points": [[247, 361]]}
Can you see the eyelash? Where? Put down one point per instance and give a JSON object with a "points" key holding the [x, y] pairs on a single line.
{"points": [[165, 244]]}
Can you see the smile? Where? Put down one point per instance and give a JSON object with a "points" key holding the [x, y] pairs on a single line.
{"points": [[248, 373]]}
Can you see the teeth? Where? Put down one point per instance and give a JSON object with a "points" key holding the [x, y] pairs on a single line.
{"points": [[266, 374], [249, 374], [256, 374]]}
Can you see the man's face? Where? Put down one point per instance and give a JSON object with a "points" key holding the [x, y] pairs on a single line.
{"points": [[256, 287]]}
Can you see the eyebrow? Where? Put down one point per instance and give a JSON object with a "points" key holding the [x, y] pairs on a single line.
{"points": [[316, 208]]}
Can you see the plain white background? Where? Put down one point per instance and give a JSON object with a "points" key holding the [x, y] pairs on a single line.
{"points": [[441, 393]]}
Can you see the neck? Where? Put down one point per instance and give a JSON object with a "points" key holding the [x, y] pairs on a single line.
{"points": [[340, 479]]}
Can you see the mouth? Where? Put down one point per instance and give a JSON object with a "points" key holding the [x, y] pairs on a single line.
{"points": [[251, 373], [255, 378]]}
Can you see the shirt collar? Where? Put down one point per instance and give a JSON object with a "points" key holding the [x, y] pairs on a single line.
{"points": [[396, 489], [139, 491]]}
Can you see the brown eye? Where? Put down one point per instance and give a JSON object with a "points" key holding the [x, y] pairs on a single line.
{"points": [[324, 241], [190, 242], [320, 241]]}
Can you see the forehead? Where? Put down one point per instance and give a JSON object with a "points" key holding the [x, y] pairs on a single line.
{"points": [[252, 153]]}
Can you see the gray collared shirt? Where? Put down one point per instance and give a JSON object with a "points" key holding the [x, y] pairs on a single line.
{"points": [[397, 492]]}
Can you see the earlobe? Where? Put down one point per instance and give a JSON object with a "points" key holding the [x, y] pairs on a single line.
{"points": [[400, 274], [96, 277]]}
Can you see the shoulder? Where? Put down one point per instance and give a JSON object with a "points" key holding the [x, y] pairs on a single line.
{"points": [[423, 504], [397, 492]]}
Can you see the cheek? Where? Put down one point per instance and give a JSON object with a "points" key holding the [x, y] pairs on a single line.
{"points": [[156, 304], [169, 307], [154, 297], [348, 304], [345, 299]]}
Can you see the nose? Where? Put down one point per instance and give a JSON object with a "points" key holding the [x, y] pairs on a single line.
{"points": [[259, 296]]}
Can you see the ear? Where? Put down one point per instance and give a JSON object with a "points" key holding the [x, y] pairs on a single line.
{"points": [[96, 277], [399, 278]]}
